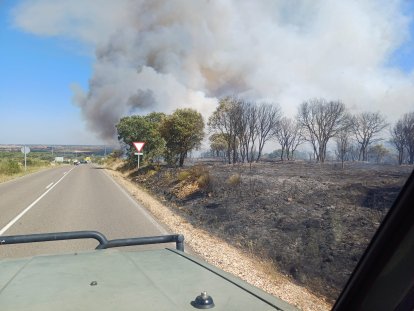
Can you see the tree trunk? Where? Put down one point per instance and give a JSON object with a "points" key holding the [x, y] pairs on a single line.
{"points": [[321, 156], [229, 152], [258, 156], [400, 156], [182, 157], [364, 154]]}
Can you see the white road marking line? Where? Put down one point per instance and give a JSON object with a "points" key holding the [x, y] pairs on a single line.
{"points": [[64, 173], [15, 219], [49, 185]]}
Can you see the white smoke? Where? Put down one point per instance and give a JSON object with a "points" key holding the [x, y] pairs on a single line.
{"points": [[160, 55]]}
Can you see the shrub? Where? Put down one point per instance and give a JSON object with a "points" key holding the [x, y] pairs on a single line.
{"points": [[205, 180], [168, 175], [199, 170], [183, 175], [35, 162], [151, 173], [9, 167], [197, 174], [234, 180]]}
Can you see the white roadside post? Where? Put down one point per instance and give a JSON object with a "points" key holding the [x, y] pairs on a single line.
{"points": [[25, 150], [138, 146], [138, 154]]}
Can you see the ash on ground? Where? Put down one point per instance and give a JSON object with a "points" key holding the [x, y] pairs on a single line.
{"points": [[312, 221]]}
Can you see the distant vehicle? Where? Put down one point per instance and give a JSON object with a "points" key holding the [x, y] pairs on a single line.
{"points": [[76, 162], [83, 162], [59, 159]]}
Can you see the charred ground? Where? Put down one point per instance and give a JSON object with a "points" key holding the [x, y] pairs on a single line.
{"points": [[313, 222]]}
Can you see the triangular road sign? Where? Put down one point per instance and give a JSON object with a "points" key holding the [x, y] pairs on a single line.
{"points": [[139, 146]]}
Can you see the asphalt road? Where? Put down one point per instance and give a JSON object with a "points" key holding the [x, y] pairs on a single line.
{"points": [[70, 198]]}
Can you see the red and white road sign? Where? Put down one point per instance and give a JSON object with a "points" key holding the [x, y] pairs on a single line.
{"points": [[139, 146]]}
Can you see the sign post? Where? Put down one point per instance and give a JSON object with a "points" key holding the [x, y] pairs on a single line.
{"points": [[139, 146], [25, 150]]}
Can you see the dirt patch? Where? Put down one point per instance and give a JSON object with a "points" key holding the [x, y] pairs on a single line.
{"points": [[216, 251]]}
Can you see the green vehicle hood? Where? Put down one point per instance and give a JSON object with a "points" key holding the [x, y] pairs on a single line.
{"points": [[117, 280]]}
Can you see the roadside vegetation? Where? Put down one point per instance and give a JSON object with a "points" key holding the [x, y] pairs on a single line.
{"points": [[12, 164], [12, 160], [43, 156], [167, 137]]}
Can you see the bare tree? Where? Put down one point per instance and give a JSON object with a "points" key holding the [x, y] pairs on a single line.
{"points": [[282, 134], [288, 134], [246, 125], [366, 126], [268, 116], [408, 130], [398, 139], [353, 151], [321, 120], [241, 130], [250, 114], [296, 139], [342, 146], [343, 141], [224, 120]]}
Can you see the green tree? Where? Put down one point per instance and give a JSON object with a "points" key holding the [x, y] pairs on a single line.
{"points": [[145, 129], [218, 144], [378, 152], [182, 132]]}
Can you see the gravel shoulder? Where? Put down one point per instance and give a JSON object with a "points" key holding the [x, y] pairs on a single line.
{"points": [[216, 251]]}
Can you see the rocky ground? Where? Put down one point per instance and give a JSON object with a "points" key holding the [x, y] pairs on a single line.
{"points": [[311, 222]]}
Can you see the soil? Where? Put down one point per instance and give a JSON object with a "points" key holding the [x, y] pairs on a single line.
{"points": [[312, 222]]}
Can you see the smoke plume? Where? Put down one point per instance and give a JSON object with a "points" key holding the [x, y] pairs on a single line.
{"points": [[161, 55]]}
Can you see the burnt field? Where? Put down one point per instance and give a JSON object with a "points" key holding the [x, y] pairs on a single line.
{"points": [[313, 222]]}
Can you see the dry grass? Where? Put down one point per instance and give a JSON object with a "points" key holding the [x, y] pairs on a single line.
{"points": [[234, 180], [151, 173], [183, 175], [195, 177], [30, 170], [184, 190]]}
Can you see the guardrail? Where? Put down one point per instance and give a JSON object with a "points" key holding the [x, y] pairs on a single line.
{"points": [[104, 243]]}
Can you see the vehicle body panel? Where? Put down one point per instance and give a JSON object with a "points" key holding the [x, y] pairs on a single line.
{"points": [[115, 280]]}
